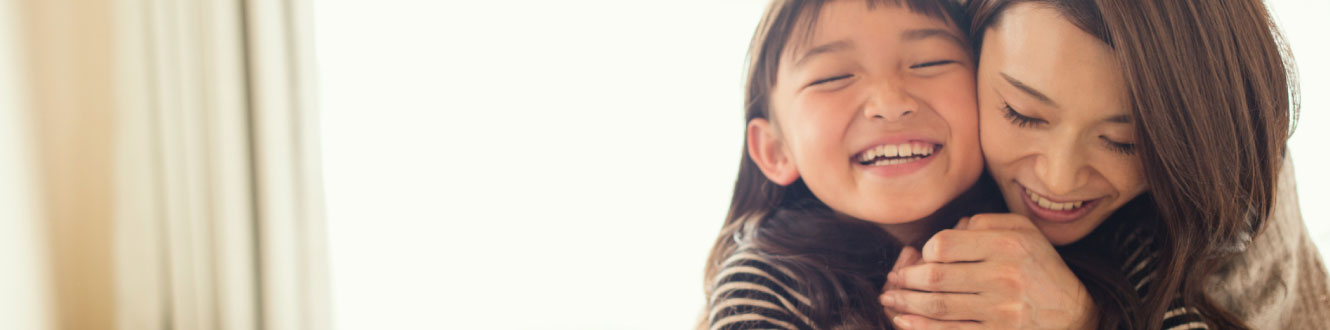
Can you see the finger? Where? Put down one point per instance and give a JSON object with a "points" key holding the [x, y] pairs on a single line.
{"points": [[937, 306], [1008, 221], [909, 256], [941, 277], [951, 246], [916, 322], [963, 224]]}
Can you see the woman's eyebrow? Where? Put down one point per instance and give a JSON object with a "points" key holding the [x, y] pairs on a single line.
{"points": [[1028, 90], [829, 47], [921, 34]]}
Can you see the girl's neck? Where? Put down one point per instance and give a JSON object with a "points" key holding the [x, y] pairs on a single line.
{"points": [[981, 197], [916, 233]]}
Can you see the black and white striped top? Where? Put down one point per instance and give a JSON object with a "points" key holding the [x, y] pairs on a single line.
{"points": [[1140, 266], [752, 293]]}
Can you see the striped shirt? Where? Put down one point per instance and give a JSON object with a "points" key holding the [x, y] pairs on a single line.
{"points": [[752, 293], [1140, 266]]}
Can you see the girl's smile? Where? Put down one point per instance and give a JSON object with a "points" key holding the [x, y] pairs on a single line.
{"points": [[897, 158]]}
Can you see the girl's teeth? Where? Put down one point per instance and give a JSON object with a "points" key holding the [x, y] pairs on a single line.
{"points": [[902, 150]]}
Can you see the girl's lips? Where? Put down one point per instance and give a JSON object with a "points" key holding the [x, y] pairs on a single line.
{"points": [[1059, 216]]}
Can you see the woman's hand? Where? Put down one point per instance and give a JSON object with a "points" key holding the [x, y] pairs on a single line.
{"points": [[994, 271]]}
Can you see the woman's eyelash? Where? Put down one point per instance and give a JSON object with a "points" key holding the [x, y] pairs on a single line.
{"points": [[933, 63], [827, 80], [1019, 119], [1124, 148]]}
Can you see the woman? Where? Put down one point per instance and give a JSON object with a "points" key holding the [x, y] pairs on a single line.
{"points": [[1147, 134]]}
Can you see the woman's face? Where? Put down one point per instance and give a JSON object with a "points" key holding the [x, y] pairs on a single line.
{"points": [[877, 112], [1054, 123]]}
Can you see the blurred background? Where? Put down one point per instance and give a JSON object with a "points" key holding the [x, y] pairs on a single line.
{"points": [[394, 164]]}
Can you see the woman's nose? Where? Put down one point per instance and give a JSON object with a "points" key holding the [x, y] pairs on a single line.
{"points": [[1061, 167]]}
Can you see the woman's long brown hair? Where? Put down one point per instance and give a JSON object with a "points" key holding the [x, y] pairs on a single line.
{"points": [[1213, 96], [841, 264]]}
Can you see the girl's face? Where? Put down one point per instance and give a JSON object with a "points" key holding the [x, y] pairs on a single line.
{"points": [[876, 112], [1055, 124]]}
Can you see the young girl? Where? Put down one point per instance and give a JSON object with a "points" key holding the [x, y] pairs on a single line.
{"points": [[861, 126]]}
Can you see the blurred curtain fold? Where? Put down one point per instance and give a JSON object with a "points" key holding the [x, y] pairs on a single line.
{"points": [[175, 149]]}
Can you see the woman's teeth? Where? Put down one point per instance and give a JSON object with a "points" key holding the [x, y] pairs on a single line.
{"points": [[893, 154], [1051, 205]]}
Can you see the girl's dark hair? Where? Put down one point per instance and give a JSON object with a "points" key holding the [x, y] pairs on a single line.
{"points": [[841, 264], [1213, 96]]}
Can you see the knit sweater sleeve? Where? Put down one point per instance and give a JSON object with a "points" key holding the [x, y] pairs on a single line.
{"points": [[1279, 281]]}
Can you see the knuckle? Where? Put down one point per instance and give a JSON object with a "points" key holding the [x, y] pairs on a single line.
{"points": [[1011, 311], [942, 243], [1010, 278], [1008, 244], [937, 308], [982, 219], [934, 275]]}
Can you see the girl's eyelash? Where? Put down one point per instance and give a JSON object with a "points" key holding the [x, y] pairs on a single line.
{"points": [[1123, 148], [1019, 119], [933, 63], [827, 80]]}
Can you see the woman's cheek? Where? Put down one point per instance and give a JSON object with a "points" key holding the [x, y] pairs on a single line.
{"points": [[998, 139]]}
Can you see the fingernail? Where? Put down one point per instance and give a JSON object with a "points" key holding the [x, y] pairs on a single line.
{"points": [[901, 322], [892, 277]]}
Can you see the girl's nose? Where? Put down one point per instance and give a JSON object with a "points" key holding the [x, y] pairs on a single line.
{"points": [[890, 103]]}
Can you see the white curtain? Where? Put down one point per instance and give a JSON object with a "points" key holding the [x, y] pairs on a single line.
{"points": [[23, 271], [220, 224], [183, 137]]}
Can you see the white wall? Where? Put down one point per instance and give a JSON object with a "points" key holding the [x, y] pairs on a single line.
{"points": [[24, 304], [1303, 23], [527, 164], [563, 165]]}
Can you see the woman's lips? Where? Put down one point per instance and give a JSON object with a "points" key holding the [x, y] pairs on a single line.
{"points": [[1054, 211]]}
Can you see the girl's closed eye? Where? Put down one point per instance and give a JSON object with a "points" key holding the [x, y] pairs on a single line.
{"points": [[932, 64], [928, 69], [833, 82], [1019, 119]]}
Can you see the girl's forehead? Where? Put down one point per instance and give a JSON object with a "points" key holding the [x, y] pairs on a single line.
{"points": [[839, 20], [836, 19]]}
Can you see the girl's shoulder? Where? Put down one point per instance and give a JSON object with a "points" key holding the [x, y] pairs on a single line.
{"points": [[752, 292], [1141, 267]]}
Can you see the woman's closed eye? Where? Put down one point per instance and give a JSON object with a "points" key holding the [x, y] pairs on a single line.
{"points": [[1119, 147], [1019, 119]]}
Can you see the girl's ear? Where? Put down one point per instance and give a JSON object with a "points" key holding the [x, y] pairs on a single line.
{"points": [[769, 152]]}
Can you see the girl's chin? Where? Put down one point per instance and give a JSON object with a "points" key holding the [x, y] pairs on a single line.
{"points": [[895, 216]]}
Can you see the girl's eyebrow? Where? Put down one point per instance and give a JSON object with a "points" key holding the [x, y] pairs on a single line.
{"points": [[921, 34], [830, 47]]}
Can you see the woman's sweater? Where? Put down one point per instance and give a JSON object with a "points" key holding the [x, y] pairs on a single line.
{"points": [[1279, 281]]}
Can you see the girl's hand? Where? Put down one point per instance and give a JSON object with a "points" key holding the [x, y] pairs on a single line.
{"points": [[994, 271]]}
